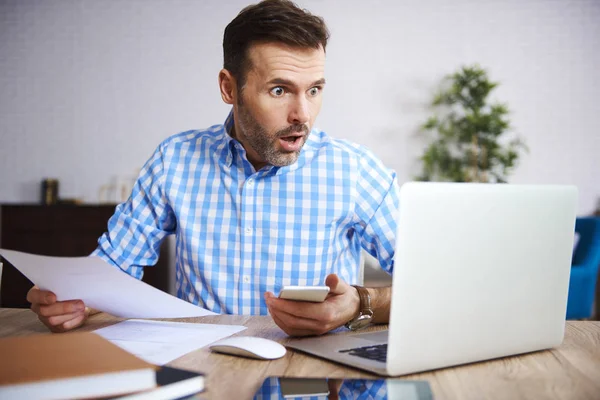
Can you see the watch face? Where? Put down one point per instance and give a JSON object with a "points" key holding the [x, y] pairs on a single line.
{"points": [[361, 322]]}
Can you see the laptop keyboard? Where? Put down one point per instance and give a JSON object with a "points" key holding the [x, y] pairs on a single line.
{"points": [[377, 352]]}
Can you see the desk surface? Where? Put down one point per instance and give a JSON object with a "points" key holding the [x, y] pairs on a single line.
{"points": [[571, 371]]}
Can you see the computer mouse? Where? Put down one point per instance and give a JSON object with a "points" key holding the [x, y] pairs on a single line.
{"points": [[249, 346]]}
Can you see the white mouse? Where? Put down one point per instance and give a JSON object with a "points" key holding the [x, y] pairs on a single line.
{"points": [[249, 346]]}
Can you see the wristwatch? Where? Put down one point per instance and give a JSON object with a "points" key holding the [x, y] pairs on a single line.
{"points": [[365, 313]]}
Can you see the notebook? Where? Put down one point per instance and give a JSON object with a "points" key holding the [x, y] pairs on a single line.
{"points": [[481, 271], [172, 383], [69, 365]]}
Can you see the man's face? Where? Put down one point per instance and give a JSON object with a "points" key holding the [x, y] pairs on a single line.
{"points": [[276, 108]]}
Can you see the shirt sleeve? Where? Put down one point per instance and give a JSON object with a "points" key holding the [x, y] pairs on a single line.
{"points": [[138, 226], [377, 210]]}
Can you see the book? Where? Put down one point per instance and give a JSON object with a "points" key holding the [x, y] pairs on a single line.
{"points": [[69, 365], [173, 383]]}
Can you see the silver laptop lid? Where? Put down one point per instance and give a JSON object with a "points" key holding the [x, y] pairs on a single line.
{"points": [[481, 271]]}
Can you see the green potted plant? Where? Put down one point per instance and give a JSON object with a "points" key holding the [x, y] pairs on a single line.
{"points": [[467, 132]]}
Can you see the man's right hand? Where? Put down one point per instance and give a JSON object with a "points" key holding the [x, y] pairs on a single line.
{"points": [[58, 316]]}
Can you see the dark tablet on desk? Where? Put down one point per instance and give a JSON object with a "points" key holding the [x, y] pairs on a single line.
{"points": [[343, 389]]}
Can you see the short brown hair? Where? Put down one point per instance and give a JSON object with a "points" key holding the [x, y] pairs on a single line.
{"points": [[279, 21]]}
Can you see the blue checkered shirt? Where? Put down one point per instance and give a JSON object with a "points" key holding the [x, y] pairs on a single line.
{"points": [[241, 232]]}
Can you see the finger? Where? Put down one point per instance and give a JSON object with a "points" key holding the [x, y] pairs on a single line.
{"points": [[54, 329], [74, 323], [336, 285], [76, 320], [300, 324], [301, 309], [56, 320], [35, 295], [280, 324], [61, 308], [290, 331], [287, 305]]}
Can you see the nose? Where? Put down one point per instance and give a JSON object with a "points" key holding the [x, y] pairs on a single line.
{"points": [[299, 112]]}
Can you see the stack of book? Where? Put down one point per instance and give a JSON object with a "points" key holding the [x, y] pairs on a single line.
{"points": [[85, 365]]}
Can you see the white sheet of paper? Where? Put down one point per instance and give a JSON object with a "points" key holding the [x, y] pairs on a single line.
{"points": [[100, 286], [159, 342]]}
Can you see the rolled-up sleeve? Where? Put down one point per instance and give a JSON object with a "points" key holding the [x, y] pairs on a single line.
{"points": [[377, 210], [138, 226]]}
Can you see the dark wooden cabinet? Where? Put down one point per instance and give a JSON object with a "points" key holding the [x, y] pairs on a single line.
{"points": [[62, 231]]}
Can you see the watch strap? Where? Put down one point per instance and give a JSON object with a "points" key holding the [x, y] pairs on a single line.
{"points": [[365, 299], [365, 313]]}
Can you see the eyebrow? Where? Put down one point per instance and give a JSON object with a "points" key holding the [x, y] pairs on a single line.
{"points": [[280, 81]]}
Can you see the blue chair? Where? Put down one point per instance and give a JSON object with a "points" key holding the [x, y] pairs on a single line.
{"points": [[584, 269]]}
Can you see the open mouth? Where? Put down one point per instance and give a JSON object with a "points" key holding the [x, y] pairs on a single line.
{"points": [[291, 139], [292, 142]]}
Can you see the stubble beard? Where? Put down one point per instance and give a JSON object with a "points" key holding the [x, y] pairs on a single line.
{"points": [[265, 144]]}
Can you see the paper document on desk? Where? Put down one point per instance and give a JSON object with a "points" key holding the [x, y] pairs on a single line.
{"points": [[100, 286], [159, 342]]}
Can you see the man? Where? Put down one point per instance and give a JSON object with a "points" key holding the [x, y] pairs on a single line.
{"points": [[263, 200]]}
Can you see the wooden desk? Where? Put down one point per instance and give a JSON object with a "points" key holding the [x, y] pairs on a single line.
{"points": [[571, 371]]}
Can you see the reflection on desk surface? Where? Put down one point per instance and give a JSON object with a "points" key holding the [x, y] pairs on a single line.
{"points": [[342, 389]]}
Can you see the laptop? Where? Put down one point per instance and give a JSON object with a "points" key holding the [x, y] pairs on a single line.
{"points": [[481, 271]]}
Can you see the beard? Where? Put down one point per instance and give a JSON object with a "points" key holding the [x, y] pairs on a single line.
{"points": [[266, 144]]}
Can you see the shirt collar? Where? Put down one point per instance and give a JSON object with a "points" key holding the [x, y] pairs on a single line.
{"points": [[229, 140]]}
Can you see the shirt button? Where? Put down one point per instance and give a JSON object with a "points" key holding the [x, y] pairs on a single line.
{"points": [[250, 182], [248, 230], [246, 279]]}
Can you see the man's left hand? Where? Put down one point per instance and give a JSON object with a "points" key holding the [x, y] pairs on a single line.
{"points": [[303, 318]]}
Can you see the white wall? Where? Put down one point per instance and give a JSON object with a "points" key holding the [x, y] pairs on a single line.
{"points": [[89, 88]]}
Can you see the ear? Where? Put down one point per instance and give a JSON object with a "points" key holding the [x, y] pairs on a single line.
{"points": [[227, 86]]}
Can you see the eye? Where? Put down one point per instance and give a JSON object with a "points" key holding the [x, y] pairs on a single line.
{"points": [[277, 91], [313, 91]]}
